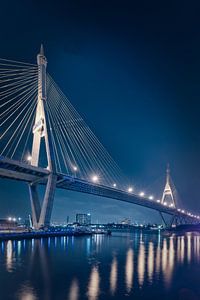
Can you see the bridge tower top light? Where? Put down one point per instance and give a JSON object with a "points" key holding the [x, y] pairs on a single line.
{"points": [[41, 58]]}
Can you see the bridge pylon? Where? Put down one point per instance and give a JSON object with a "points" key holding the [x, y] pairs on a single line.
{"points": [[41, 212], [168, 198]]}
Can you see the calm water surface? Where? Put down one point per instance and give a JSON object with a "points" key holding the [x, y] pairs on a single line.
{"points": [[121, 266]]}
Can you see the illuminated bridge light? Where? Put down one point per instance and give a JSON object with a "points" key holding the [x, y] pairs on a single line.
{"points": [[178, 209], [183, 211], [151, 197], [114, 185], [141, 194], [158, 200], [171, 205], [29, 157], [75, 168], [165, 203], [95, 178], [130, 189]]}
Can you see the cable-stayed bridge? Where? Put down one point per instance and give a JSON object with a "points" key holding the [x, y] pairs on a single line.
{"points": [[44, 141]]}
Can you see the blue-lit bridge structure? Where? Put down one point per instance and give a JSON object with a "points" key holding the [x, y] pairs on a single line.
{"points": [[21, 171], [69, 145]]}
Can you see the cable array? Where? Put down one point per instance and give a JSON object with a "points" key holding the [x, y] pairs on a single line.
{"points": [[18, 99], [76, 149]]}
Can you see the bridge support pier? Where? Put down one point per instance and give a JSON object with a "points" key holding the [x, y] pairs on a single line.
{"points": [[169, 224], [35, 204], [47, 204], [163, 219], [41, 213]]}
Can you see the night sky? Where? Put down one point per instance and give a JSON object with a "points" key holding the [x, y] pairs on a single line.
{"points": [[132, 70]]}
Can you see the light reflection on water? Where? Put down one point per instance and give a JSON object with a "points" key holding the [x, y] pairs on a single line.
{"points": [[93, 286], [113, 276], [9, 254], [97, 267], [150, 261], [129, 270], [74, 290], [27, 293], [141, 264]]}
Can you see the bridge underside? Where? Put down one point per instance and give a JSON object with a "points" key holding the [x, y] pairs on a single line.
{"points": [[34, 175]]}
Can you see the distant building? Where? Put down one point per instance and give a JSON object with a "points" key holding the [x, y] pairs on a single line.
{"points": [[7, 224], [126, 221], [83, 219]]}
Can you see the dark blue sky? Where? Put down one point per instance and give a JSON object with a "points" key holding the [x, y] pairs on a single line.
{"points": [[131, 69]]}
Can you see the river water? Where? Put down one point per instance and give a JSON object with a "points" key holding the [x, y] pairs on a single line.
{"points": [[120, 266]]}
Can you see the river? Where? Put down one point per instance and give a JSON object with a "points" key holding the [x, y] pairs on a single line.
{"points": [[100, 267]]}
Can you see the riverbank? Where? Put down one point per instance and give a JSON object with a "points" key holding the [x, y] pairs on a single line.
{"points": [[38, 234]]}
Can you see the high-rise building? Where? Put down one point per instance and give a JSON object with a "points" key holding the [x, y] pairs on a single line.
{"points": [[83, 219]]}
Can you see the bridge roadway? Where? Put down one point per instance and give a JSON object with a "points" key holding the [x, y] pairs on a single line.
{"points": [[17, 170]]}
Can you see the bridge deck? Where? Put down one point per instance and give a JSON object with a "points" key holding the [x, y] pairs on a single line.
{"points": [[24, 172]]}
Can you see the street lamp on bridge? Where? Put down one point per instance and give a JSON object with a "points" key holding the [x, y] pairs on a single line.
{"points": [[95, 178], [130, 189]]}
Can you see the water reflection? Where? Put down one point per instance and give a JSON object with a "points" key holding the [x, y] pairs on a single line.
{"points": [[93, 286], [19, 248], [189, 247], [9, 256], [164, 256], [113, 276], [150, 261], [129, 270], [158, 253], [39, 263], [171, 254], [178, 249], [196, 247], [45, 268], [182, 251], [74, 290], [167, 272], [27, 293], [141, 264]]}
